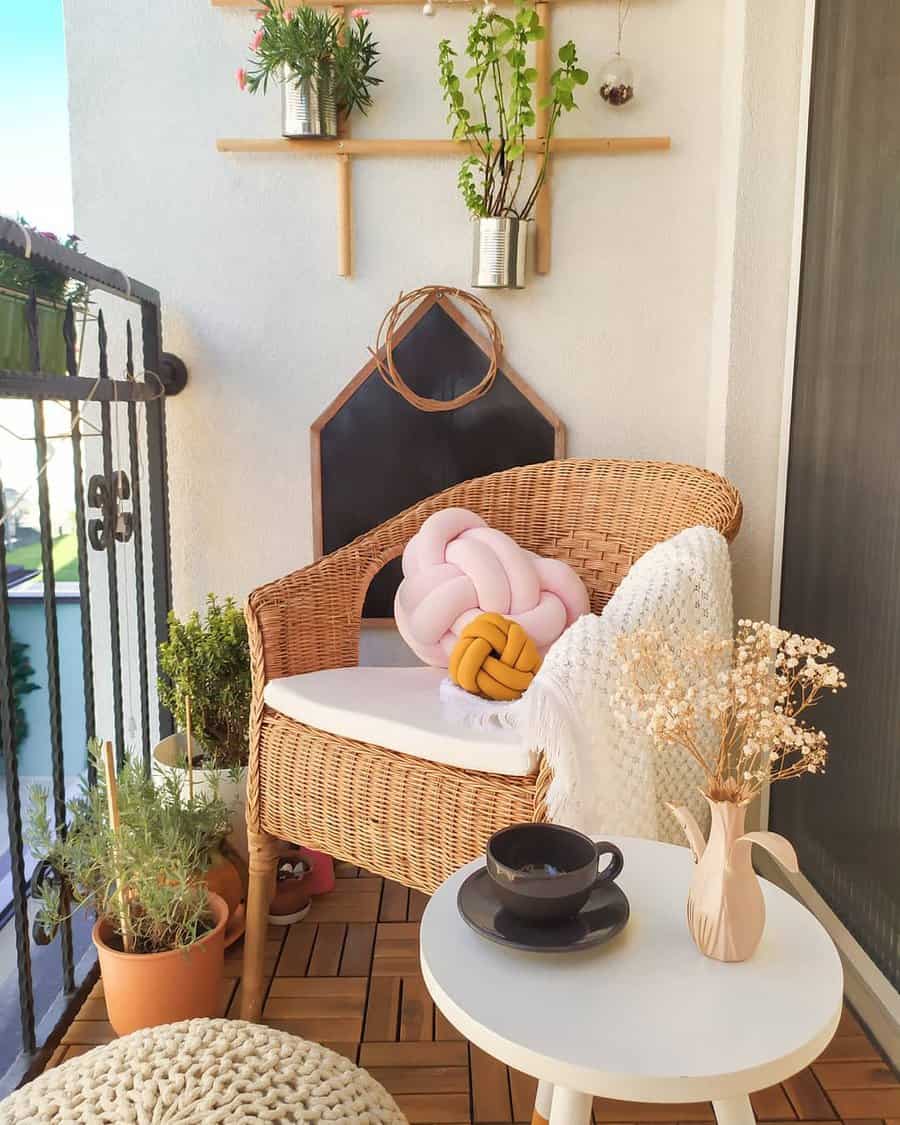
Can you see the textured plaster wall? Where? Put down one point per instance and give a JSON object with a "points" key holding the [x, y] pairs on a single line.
{"points": [[625, 337], [747, 377]]}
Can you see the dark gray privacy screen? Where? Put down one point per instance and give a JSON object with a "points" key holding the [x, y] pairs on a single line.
{"points": [[842, 538]]}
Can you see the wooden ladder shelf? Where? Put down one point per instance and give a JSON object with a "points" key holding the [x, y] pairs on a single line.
{"points": [[346, 147]]}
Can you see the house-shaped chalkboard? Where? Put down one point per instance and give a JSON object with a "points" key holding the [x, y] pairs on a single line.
{"points": [[374, 454]]}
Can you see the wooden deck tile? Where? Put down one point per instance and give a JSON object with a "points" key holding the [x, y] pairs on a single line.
{"points": [[394, 902], [297, 950], [848, 1048], [435, 1109], [416, 1010], [772, 1104], [852, 1104], [356, 959], [490, 1088], [606, 1110], [382, 1014], [348, 977], [854, 1075], [327, 949], [809, 1099], [522, 1088]]}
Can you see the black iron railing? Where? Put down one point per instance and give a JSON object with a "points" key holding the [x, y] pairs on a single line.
{"points": [[115, 511]]}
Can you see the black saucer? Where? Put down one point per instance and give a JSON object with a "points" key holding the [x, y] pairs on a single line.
{"points": [[600, 919]]}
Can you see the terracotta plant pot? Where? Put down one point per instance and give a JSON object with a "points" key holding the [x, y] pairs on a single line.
{"points": [[223, 878], [149, 989]]}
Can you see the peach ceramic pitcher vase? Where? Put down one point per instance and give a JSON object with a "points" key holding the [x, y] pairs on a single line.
{"points": [[726, 911]]}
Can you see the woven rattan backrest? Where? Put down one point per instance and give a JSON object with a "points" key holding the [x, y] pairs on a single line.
{"points": [[597, 515]]}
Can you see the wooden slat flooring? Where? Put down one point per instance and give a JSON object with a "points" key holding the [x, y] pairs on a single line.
{"points": [[348, 976]]}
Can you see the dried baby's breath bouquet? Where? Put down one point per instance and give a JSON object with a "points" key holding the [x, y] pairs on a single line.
{"points": [[733, 705]]}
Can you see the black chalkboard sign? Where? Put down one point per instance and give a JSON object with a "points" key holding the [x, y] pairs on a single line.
{"points": [[376, 454]]}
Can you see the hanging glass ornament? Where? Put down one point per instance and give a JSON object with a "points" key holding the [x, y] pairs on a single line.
{"points": [[617, 73], [617, 81]]}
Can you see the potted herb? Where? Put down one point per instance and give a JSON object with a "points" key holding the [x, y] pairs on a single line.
{"points": [[492, 179], [324, 65], [159, 931], [19, 278], [205, 665]]}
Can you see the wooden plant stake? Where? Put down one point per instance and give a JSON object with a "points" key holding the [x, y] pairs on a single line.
{"points": [[190, 746], [112, 803]]}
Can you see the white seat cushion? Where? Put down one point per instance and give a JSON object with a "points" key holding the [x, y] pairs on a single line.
{"points": [[399, 709]]}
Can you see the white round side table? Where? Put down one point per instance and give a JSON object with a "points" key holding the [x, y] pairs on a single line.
{"points": [[646, 1017]]}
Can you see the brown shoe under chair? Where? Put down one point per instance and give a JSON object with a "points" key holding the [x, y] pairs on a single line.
{"points": [[405, 817]]}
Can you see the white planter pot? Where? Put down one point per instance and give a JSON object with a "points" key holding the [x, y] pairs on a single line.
{"points": [[173, 750]]}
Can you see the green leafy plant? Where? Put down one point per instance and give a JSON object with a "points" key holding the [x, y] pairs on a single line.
{"points": [[207, 659], [22, 684], [503, 94], [25, 275], [311, 43], [150, 874]]}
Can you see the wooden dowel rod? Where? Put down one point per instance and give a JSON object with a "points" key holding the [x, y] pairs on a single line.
{"points": [[112, 805], [344, 188], [344, 217], [542, 213], [368, 146], [190, 746]]}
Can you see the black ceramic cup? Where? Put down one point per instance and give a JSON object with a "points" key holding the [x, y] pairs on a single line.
{"points": [[544, 872]]}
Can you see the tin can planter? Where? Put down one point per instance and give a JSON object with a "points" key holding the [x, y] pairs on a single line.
{"points": [[499, 253], [308, 106]]}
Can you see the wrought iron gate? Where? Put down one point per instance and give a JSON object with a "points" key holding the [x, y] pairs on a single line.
{"points": [[121, 532]]}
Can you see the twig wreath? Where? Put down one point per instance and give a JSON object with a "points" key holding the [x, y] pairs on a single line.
{"points": [[385, 341]]}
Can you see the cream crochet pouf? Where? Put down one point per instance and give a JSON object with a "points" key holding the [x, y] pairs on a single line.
{"points": [[204, 1071]]}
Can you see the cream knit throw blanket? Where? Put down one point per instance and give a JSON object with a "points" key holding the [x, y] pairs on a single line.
{"points": [[607, 779]]}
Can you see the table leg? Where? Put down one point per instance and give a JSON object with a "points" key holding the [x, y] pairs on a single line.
{"points": [[734, 1111], [543, 1099], [570, 1107]]}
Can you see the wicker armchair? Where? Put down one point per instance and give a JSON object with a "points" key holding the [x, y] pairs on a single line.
{"points": [[406, 818]]}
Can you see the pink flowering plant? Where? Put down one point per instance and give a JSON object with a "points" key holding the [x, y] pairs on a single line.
{"points": [[734, 706], [309, 43], [26, 275]]}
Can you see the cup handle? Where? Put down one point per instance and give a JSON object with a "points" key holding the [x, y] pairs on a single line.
{"points": [[614, 868]]}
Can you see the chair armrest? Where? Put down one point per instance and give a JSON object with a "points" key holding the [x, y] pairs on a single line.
{"points": [[308, 620]]}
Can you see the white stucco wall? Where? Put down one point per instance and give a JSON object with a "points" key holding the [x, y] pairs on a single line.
{"points": [[622, 338]]}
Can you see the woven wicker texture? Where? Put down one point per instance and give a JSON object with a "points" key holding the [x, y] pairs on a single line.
{"points": [[406, 818], [204, 1072]]}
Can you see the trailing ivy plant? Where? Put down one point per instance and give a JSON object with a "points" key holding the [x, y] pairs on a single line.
{"points": [[208, 660], [310, 43], [150, 874], [503, 95]]}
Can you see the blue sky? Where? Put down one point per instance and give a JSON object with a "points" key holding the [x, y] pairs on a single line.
{"points": [[35, 175]]}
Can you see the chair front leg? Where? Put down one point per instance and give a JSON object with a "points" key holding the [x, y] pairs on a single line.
{"points": [[263, 861]]}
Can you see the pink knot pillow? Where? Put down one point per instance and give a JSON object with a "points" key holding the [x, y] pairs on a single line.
{"points": [[456, 568]]}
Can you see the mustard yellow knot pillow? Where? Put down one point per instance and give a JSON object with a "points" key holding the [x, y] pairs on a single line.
{"points": [[494, 658]]}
